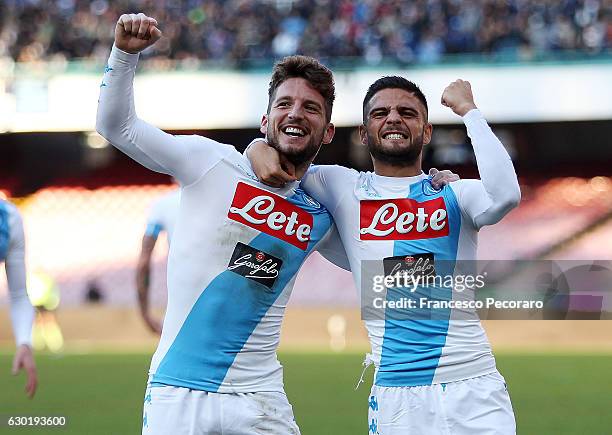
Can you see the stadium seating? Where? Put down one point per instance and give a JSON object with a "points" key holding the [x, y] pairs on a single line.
{"points": [[245, 32]]}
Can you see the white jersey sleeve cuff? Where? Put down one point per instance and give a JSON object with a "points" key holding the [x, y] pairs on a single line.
{"points": [[123, 56], [472, 116]]}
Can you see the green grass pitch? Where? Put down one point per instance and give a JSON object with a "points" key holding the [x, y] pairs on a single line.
{"points": [[103, 393]]}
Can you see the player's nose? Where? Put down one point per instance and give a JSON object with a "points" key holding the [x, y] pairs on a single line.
{"points": [[296, 112], [393, 117]]}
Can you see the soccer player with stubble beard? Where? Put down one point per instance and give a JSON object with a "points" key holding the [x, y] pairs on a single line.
{"points": [[435, 372], [235, 252]]}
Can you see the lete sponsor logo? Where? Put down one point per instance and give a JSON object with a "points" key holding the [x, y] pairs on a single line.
{"points": [[402, 219], [271, 214]]}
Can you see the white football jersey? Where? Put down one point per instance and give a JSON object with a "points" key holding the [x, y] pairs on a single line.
{"points": [[384, 219], [236, 249]]}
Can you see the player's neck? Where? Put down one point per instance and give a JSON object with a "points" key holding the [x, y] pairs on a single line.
{"points": [[388, 170], [300, 170]]}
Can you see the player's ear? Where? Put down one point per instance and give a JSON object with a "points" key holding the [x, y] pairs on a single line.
{"points": [[264, 124], [329, 133], [427, 132], [363, 134]]}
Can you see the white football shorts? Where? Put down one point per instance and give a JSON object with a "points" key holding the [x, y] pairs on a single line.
{"points": [[476, 406], [182, 411]]}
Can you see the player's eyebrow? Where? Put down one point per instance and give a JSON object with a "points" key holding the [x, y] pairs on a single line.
{"points": [[400, 108], [291, 99], [283, 98], [315, 103], [379, 108]]}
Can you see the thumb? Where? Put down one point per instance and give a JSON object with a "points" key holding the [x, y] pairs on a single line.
{"points": [[155, 34], [433, 172]]}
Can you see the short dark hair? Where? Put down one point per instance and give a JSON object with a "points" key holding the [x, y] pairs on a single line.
{"points": [[314, 72], [393, 82]]}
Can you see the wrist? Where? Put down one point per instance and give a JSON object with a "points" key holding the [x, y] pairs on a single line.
{"points": [[252, 144], [123, 54], [463, 109]]}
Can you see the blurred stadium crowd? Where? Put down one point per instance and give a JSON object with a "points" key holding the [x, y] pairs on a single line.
{"points": [[369, 31]]}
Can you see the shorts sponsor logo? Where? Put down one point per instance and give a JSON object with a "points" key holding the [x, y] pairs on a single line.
{"points": [[271, 214], [256, 265], [402, 219]]}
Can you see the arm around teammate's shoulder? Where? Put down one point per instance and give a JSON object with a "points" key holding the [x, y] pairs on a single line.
{"points": [[328, 184]]}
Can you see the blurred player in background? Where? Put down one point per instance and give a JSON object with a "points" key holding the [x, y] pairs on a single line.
{"points": [[44, 295], [445, 370], [12, 253], [162, 218], [235, 251]]}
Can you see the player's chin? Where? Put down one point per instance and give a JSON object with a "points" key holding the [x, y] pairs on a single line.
{"points": [[294, 139], [295, 143], [395, 143]]}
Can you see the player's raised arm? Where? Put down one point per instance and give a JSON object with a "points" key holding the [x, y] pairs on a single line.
{"points": [[498, 192], [181, 156]]}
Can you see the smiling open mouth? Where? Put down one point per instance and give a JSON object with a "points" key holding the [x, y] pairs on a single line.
{"points": [[394, 135], [294, 131]]}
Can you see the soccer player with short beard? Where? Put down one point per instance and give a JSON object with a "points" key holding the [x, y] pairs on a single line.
{"points": [[287, 134], [435, 372], [235, 252], [389, 149]]}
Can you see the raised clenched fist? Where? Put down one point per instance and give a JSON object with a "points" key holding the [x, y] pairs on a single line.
{"points": [[458, 96], [135, 32]]}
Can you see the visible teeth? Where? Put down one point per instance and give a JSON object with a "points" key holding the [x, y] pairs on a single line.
{"points": [[394, 136], [294, 130]]}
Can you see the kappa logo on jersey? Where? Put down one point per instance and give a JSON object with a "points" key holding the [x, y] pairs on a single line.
{"points": [[402, 219], [256, 265], [271, 214]]}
